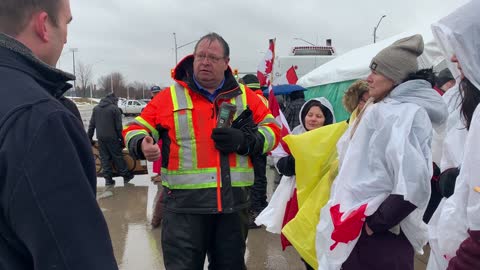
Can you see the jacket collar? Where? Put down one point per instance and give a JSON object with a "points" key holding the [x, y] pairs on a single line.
{"points": [[16, 55]]}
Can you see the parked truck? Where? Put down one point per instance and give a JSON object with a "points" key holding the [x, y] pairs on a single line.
{"points": [[131, 106]]}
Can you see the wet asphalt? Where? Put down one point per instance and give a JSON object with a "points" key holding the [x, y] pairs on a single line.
{"points": [[137, 246]]}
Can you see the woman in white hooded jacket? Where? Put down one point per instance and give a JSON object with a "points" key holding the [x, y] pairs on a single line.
{"points": [[454, 230], [373, 219], [314, 113]]}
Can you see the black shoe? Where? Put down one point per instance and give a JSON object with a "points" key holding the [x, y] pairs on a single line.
{"points": [[109, 182], [128, 177], [252, 215]]}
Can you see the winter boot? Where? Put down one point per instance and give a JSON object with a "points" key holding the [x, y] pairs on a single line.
{"points": [[109, 181], [128, 177]]}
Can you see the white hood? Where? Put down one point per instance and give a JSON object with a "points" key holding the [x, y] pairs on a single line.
{"points": [[420, 92], [459, 34], [301, 128]]}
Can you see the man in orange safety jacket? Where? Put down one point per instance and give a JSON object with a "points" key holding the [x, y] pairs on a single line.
{"points": [[206, 170]]}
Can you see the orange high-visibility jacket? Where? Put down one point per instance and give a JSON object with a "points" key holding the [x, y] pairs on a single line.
{"points": [[184, 119]]}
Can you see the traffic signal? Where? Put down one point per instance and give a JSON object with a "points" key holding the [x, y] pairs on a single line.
{"points": [[235, 73]]}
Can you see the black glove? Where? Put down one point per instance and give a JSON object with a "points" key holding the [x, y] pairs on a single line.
{"points": [[447, 181], [245, 121], [253, 139], [229, 140], [286, 165]]}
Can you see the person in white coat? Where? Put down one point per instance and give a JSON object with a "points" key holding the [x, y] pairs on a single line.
{"points": [[454, 230], [373, 219]]}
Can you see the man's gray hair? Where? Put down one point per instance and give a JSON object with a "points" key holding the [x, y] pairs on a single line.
{"points": [[212, 37]]}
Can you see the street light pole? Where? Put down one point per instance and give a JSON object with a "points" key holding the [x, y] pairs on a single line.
{"points": [[179, 47], [73, 50], [175, 40], [111, 81], [376, 27], [305, 41]]}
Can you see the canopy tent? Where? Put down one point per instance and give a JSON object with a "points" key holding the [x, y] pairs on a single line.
{"points": [[332, 79]]}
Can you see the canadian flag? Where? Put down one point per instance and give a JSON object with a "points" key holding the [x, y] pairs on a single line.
{"points": [[265, 67], [290, 77], [264, 71], [282, 149]]}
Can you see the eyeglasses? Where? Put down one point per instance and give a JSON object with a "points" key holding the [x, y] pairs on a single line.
{"points": [[210, 58]]}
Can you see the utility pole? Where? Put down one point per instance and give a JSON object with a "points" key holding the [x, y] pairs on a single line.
{"points": [[73, 50], [308, 42], [175, 40], [376, 27], [181, 46]]}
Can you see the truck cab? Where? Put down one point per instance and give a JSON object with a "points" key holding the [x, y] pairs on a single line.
{"points": [[131, 106]]}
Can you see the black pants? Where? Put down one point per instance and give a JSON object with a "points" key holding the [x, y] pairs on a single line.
{"points": [[188, 238], [111, 151], [258, 192]]}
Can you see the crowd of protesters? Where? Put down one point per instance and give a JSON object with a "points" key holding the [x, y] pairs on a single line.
{"points": [[408, 162]]}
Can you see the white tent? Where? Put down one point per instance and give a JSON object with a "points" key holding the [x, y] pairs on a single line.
{"points": [[355, 63]]}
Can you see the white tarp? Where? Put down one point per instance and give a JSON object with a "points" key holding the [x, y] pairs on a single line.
{"points": [[355, 63]]}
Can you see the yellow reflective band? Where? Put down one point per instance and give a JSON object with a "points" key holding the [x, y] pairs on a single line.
{"points": [[269, 138], [134, 133], [184, 132], [253, 85], [269, 119], [189, 186], [140, 121], [204, 178]]}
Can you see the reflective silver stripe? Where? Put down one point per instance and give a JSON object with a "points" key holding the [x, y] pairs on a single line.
{"points": [[269, 120], [134, 133], [269, 138], [247, 176], [184, 133], [141, 122], [205, 179], [182, 102], [239, 104], [242, 161], [196, 178]]}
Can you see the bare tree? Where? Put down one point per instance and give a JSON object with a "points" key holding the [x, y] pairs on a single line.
{"points": [[140, 90], [115, 82], [84, 77]]}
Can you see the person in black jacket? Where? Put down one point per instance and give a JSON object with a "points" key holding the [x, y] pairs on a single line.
{"points": [[107, 120], [49, 217]]}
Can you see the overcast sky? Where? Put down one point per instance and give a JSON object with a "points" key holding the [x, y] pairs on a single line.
{"points": [[135, 37]]}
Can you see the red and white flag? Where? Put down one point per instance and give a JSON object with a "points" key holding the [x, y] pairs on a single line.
{"points": [[290, 77], [264, 74], [265, 67], [282, 149]]}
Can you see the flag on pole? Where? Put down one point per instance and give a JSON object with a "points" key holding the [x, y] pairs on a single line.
{"points": [[290, 77], [282, 149], [264, 75], [265, 68]]}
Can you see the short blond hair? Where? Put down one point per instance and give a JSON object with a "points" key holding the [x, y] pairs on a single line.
{"points": [[354, 94]]}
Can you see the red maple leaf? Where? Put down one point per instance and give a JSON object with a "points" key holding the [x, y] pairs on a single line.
{"points": [[348, 229]]}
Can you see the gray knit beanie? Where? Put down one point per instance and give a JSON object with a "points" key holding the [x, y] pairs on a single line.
{"points": [[398, 60]]}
